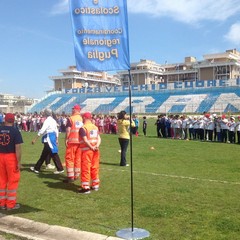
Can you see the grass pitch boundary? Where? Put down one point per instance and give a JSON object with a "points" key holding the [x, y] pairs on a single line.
{"points": [[176, 176]]}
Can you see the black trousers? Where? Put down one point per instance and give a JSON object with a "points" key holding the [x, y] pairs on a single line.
{"points": [[45, 153], [238, 137], [124, 145], [224, 135], [231, 136]]}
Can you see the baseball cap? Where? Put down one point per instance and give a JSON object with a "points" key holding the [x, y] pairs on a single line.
{"points": [[76, 107], [9, 117], [87, 115]]}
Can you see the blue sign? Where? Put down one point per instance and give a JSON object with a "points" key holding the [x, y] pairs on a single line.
{"points": [[158, 87], [100, 33]]}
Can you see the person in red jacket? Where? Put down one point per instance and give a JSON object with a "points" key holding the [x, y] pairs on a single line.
{"points": [[10, 163], [89, 143]]}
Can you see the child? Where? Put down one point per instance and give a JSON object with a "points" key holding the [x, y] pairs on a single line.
{"points": [[144, 126]]}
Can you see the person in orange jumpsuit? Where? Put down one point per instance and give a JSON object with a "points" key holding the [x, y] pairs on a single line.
{"points": [[10, 163], [89, 142], [73, 151]]}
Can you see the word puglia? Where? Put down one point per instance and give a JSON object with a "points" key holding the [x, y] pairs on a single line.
{"points": [[101, 56]]}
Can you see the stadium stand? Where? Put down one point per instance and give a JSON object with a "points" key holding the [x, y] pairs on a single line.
{"points": [[214, 99]]}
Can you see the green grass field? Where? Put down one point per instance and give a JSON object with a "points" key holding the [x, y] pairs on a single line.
{"points": [[182, 190]]}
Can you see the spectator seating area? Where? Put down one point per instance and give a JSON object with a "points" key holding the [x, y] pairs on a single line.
{"points": [[215, 99]]}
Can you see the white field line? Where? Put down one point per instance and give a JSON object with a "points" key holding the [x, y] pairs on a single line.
{"points": [[176, 176]]}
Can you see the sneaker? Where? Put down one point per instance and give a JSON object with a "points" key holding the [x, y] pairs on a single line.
{"points": [[127, 165], [95, 188], [50, 166], [58, 172], [17, 206], [68, 180], [34, 170], [84, 191], [3, 207]]}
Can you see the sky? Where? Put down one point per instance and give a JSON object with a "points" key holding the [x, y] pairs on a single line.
{"points": [[36, 37]]}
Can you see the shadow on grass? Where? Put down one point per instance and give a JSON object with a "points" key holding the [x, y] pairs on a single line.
{"points": [[63, 186], [22, 209], [152, 137], [55, 180], [44, 173], [27, 166], [107, 163]]}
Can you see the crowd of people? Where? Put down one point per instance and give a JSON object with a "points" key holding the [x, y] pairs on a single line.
{"points": [[209, 127], [82, 141], [206, 127], [82, 156], [32, 122]]}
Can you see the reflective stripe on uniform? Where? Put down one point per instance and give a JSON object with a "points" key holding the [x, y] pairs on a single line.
{"points": [[69, 169], [11, 198], [85, 185], [74, 130], [96, 181], [12, 191], [70, 174], [85, 148], [72, 139]]}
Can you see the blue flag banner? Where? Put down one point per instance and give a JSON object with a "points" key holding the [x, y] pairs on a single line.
{"points": [[100, 33]]}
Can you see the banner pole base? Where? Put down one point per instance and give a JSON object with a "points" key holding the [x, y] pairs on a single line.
{"points": [[132, 234]]}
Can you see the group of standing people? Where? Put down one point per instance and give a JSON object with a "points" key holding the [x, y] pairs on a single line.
{"points": [[82, 155], [82, 142], [206, 127]]}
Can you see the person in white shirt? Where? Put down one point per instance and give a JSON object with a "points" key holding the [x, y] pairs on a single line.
{"points": [[50, 133], [195, 128], [184, 127], [218, 128], [224, 128], [210, 125], [190, 127], [201, 127], [179, 128], [238, 130], [231, 130]]}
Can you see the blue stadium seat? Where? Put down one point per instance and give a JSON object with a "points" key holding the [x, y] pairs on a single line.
{"points": [[214, 99]]}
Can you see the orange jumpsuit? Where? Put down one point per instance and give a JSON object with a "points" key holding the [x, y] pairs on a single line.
{"points": [[73, 151], [9, 180], [9, 172], [90, 158]]}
